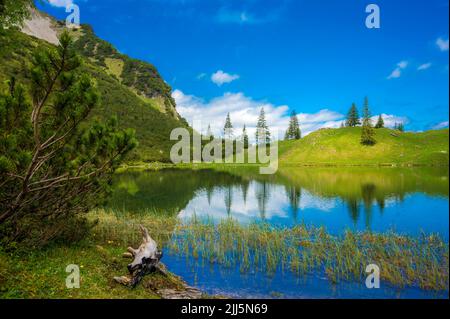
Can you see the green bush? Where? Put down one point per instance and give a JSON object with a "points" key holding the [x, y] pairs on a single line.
{"points": [[55, 165]]}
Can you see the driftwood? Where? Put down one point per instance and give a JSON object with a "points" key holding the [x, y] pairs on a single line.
{"points": [[145, 261]]}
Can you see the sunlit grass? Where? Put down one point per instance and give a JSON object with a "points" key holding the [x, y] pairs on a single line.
{"points": [[342, 147], [123, 229]]}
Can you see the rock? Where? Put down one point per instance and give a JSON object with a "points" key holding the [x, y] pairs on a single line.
{"points": [[187, 293], [41, 27]]}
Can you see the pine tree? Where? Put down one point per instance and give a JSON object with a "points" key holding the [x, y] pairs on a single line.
{"points": [[54, 164], [297, 131], [290, 130], [353, 117], [209, 133], [293, 132], [245, 137], [228, 128], [380, 122], [367, 134], [401, 127], [262, 130], [286, 135]]}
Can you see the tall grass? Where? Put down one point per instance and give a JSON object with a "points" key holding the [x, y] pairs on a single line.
{"points": [[123, 229], [403, 261]]}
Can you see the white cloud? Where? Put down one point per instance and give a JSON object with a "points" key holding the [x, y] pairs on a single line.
{"points": [[390, 120], [398, 70], [424, 66], [242, 17], [402, 64], [60, 3], [440, 125], [247, 211], [245, 110], [442, 44], [395, 74], [221, 77]]}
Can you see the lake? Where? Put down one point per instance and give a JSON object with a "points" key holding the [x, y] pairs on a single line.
{"points": [[405, 200]]}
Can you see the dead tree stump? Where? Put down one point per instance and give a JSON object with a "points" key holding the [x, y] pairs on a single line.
{"points": [[145, 261]]}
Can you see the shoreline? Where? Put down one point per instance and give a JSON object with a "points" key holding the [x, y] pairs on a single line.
{"points": [[158, 166], [41, 274]]}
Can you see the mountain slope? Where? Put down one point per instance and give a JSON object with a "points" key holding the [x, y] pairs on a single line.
{"points": [[342, 147], [148, 109], [141, 77]]}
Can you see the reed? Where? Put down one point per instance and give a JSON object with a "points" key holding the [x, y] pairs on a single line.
{"points": [[404, 261], [122, 228]]}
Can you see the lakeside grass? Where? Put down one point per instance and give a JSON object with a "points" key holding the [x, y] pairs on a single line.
{"points": [[404, 261], [40, 274]]}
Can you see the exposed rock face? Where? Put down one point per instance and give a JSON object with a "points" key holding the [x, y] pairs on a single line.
{"points": [[132, 90], [141, 77], [41, 27]]}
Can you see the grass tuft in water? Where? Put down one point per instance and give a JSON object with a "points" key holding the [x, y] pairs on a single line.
{"points": [[403, 261]]}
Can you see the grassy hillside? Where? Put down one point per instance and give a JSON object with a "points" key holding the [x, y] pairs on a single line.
{"points": [[143, 113], [342, 147], [141, 77]]}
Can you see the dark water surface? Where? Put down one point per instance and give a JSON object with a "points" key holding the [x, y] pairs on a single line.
{"points": [[407, 200]]}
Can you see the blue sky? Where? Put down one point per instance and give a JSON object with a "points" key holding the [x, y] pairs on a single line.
{"points": [[312, 56]]}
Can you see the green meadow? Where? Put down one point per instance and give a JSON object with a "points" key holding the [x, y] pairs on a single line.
{"points": [[341, 147]]}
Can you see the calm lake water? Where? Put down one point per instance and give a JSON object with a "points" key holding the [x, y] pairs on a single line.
{"points": [[406, 200]]}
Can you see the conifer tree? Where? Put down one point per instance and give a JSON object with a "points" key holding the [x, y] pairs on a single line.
{"points": [[293, 132], [209, 133], [353, 117], [245, 137], [262, 130], [367, 134], [54, 165], [228, 128], [380, 122]]}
